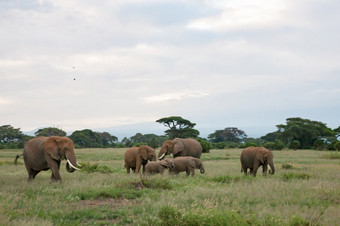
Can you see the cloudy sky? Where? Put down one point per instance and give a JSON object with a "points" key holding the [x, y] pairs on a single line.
{"points": [[124, 64]]}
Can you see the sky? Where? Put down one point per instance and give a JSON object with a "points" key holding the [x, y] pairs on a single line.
{"points": [[118, 66]]}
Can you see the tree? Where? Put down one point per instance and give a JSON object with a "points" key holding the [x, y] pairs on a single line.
{"points": [[11, 137], [303, 130], [179, 127], [50, 131], [229, 134], [86, 139], [107, 140]]}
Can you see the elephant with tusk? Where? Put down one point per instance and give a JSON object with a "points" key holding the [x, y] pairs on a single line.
{"points": [[181, 147], [44, 153]]}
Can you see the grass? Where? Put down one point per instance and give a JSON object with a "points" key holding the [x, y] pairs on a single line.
{"points": [[305, 190]]}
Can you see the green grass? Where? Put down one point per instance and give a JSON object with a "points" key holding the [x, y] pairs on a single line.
{"points": [[305, 190]]}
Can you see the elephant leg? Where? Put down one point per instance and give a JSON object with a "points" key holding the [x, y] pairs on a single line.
{"points": [[143, 169], [254, 171], [244, 170], [55, 170], [128, 170], [31, 174], [264, 169], [187, 172]]}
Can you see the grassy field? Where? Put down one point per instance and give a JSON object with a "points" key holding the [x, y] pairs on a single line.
{"points": [[305, 190]]}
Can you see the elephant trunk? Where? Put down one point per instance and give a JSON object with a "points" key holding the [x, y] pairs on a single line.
{"points": [[202, 170], [71, 162], [272, 170]]}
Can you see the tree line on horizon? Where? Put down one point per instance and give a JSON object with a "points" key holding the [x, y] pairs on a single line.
{"points": [[297, 133]]}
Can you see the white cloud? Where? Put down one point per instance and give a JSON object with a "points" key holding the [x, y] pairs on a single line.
{"points": [[241, 14], [175, 96]]}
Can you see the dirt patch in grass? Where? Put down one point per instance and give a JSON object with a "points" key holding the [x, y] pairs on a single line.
{"points": [[112, 203]]}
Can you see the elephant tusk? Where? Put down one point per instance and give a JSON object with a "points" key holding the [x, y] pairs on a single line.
{"points": [[160, 158], [78, 164], [72, 165]]}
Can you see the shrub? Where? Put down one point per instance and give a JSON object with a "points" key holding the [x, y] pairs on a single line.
{"points": [[319, 144], [335, 145], [219, 145], [269, 145], [206, 145], [279, 145], [248, 144], [294, 144], [231, 145], [87, 167]]}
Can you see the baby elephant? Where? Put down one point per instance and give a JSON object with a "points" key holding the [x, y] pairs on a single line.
{"points": [[188, 164], [158, 166]]}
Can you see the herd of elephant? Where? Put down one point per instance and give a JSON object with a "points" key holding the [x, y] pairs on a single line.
{"points": [[44, 153]]}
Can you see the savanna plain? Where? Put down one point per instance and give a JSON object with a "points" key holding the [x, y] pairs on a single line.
{"points": [[305, 190]]}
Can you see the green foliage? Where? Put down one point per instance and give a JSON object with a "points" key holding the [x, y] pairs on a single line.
{"points": [[50, 131], [219, 145], [249, 144], [91, 168], [291, 176], [156, 183], [152, 140], [294, 144], [179, 127], [279, 145], [12, 138], [319, 144], [88, 139], [231, 134], [269, 145], [206, 145], [334, 146], [303, 130]]}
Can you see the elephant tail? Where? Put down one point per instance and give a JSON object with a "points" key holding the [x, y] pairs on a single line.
{"points": [[16, 159]]}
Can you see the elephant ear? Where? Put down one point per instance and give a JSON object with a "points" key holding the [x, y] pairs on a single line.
{"points": [[178, 147], [260, 157], [51, 148], [143, 152], [166, 163]]}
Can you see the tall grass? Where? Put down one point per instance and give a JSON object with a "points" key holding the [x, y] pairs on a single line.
{"points": [[305, 190]]}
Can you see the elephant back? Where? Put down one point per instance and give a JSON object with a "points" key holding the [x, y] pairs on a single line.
{"points": [[191, 147]]}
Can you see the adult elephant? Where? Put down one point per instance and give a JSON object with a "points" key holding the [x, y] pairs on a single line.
{"points": [[181, 147], [44, 153], [254, 157], [135, 157]]}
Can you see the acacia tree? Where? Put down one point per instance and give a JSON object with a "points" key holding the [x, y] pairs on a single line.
{"points": [[50, 131], [231, 134], [179, 127]]}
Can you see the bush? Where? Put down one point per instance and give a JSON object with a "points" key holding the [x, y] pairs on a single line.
{"points": [[232, 144], [269, 145], [287, 166], [319, 144], [294, 144], [219, 145], [335, 145], [279, 145], [206, 145], [248, 144]]}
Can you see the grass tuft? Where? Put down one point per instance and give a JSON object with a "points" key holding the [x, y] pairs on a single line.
{"points": [[287, 166], [109, 192], [226, 179], [291, 176], [91, 168], [335, 155]]}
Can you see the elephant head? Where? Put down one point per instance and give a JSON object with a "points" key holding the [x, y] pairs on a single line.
{"points": [[266, 157], [170, 146], [167, 163], [199, 165], [59, 148], [147, 153]]}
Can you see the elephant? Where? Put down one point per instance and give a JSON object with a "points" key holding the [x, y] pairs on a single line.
{"points": [[181, 147], [44, 153], [135, 157], [188, 164], [253, 157], [158, 166]]}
